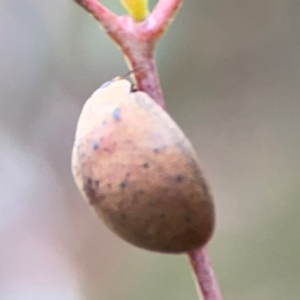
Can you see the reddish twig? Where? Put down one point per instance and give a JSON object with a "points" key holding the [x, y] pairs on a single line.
{"points": [[137, 42], [204, 274], [163, 15], [100, 12]]}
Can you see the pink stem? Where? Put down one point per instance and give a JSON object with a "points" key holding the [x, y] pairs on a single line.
{"points": [[205, 275], [146, 77], [99, 11], [137, 42], [163, 14]]}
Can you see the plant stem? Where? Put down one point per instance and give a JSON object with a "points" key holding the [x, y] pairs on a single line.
{"points": [[146, 77], [100, 12], [137, 41], [163, 14], [204, 274]]}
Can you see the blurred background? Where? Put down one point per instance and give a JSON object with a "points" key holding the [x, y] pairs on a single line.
{"points": [[230, 72]]}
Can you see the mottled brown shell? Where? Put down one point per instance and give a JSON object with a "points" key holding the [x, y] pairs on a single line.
{"points": [[140, 173]]}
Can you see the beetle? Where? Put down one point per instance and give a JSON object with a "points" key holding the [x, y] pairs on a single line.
{"points": [[139, 172]]}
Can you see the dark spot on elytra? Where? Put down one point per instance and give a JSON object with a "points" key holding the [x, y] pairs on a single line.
{"points": [[141, 192], [111, 148], [146, 165], [128, 174], [188, 219], [156, 150], [162, 215], [151, 203], [116, 114], [109, 185], [95, 146], [90, 188], [123, 216], [123, 185], [179, 178]]}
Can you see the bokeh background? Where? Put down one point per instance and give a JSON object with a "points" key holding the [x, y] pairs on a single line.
{"points": [[230, 72]]}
